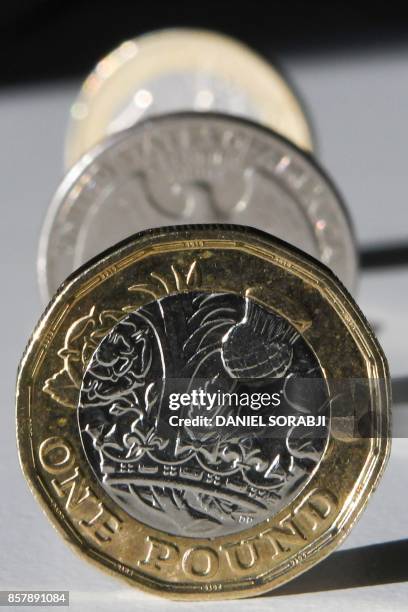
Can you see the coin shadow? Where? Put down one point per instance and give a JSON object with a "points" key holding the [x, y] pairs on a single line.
{"points": [[376, 564]]}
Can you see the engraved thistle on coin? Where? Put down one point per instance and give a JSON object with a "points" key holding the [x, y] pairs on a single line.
{"points": [[200, 481], [198, 169]]}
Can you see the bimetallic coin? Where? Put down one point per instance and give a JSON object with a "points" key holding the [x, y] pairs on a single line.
{"points": [[196, 168], [118, 451], [181, 70]]}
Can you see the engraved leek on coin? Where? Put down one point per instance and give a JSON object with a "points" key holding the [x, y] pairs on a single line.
{"points": [[195, 168], [184, 511], [179, 70], [190, 481]]}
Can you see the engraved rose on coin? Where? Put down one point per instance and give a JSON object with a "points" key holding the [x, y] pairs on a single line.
{"points": [[81, 340], [122, 377], [124, 360]]}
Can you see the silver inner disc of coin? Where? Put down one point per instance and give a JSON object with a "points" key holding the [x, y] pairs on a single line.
{"points": [[193, 168], [174, 92], [193, 480]]}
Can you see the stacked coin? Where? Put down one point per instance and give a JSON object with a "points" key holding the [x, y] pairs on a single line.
{"points": [[263, 178], [179, 70], [126, 429]]}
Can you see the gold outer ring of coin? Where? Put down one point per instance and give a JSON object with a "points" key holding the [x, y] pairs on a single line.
{"points": [[210, 258], [118, 76]]}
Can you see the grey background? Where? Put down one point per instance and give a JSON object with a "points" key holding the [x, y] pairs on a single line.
{"points": [[359, 106]]}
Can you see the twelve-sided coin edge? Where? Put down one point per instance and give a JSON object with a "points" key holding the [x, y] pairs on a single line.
{"points": [[200, 242]]}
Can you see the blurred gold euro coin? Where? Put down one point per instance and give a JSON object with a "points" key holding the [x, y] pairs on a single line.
{"points": [[180, 70]]}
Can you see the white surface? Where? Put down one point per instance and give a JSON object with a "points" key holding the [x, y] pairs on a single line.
{"points": [[360, 110], [359, 106]]}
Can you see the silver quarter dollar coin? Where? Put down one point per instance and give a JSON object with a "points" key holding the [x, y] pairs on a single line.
{"points": [[193, 168]]}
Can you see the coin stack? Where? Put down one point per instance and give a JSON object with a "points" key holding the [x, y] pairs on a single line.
{"points": [[202, 410]]}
